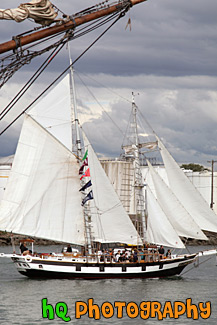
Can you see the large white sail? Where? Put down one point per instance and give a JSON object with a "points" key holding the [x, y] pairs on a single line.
{"points": [[42, 197], [111, 223], [53, 112], [181, 220], [188, 195], [159, 229]]}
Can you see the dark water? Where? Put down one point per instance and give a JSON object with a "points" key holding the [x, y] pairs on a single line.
{"points": [[21, 298]]}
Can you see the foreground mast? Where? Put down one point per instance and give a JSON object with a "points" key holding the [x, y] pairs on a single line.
{"points": [[79, 155]]}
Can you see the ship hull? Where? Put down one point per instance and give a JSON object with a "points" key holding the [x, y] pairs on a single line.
{"points": [[66, 269]]}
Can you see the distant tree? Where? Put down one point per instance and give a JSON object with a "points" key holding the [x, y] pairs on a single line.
{"points": [[194, 167]]}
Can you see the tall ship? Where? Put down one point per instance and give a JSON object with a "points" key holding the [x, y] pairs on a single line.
{"points": [[59, 194]]}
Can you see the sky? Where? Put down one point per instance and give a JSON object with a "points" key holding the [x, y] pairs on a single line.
{"points": [[168, 59]]}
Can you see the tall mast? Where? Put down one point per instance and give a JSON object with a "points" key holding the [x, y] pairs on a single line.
{"points": [[79, 154], [74, 110], [138, 185], [74, 21]]}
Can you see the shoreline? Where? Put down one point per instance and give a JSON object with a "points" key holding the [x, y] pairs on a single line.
{"points": [[5, 240]]}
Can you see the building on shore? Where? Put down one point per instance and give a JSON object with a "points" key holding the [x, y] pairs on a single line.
{"points": [[120, 173]]}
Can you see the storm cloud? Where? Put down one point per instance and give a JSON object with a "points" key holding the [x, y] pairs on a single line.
{"points": [[168, 57]]}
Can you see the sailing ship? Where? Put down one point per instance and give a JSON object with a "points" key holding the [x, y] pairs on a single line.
{"points": [[53, 193], [174, 208], [46, 197]]}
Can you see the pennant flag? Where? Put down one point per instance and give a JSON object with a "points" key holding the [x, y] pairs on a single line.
{"points": [[86, 174], [88, 184], [88, 197], [85, 155], [85, 163]]}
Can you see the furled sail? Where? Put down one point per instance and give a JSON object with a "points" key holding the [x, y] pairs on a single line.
{"points": [[110, 223], [181, 220], [159, 229], [41, 11], [53, 112], [42, 198], [188, 195]]}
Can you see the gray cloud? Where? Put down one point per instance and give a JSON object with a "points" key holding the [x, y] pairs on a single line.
{"points": [[169, 57]]}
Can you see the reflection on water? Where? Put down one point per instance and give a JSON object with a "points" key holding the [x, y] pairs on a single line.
{"points": [[21, 297]]}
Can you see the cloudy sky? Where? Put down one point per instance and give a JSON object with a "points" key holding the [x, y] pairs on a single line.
{"points": [[168, 58]]}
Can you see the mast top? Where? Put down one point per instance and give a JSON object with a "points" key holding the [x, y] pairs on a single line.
{"points": [[133, 98]]}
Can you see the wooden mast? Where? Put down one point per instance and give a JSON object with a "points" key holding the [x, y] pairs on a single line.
{"points": [[24, 40]]}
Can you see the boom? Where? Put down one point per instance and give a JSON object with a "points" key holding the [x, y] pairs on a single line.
{"points": [[71, 24]]}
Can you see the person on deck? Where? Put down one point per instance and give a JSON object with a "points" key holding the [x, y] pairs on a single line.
{"points": [[161, 251], [135, 256], [69, 249], [117, 256], [24, 250]]}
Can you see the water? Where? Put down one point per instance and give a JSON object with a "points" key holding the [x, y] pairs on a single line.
{"points": [[21, 298]]}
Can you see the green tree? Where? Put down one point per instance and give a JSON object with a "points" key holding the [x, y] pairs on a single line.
{"points": [[194, 167]]}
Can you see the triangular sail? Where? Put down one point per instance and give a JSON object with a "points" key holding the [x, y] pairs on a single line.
{"points": [[188, 195], [111, 223], [181, 220], [42, 197], [159, 229], [53, 112]]}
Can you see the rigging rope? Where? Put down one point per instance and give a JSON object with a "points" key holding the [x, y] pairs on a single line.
{"points": [[111, 90], [20, 59], [121, 14], [197, 265], [31, 81], [23, 56], [101, 106], [62, 42]]}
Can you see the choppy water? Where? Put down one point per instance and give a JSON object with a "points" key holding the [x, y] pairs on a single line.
{"points": [[21, 298]]}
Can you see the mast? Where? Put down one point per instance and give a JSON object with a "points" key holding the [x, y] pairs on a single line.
{"points": [[138, 185], [212, 177], [79, 154], [73, 98], [74, 21]]}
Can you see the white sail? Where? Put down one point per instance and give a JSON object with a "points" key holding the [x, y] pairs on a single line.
{"points": [[42, 197], [181, 220], [53, 112], [159, 229], [111, 223], [188, 195]]}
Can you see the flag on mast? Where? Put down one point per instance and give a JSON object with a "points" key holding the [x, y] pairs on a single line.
{"points": [[86, 174], [88, 197], [85, 163], [85, 155], [88, 184]]}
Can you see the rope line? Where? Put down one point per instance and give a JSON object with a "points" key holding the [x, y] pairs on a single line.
{"points": [[46, 89], [23, 56], [109, 89], [197, 265], [35, 76], [119, 129]]}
